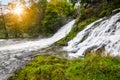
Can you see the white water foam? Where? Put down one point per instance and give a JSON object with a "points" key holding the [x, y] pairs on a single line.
{"points": [[101, 33]]}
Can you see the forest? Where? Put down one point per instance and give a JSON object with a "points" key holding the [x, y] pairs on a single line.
{"points": [[41, 18]]}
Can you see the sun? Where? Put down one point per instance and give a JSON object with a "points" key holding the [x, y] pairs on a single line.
{"points": [[18, 10]]}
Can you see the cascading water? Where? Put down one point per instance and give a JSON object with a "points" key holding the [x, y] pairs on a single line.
{"points": [[101, 33], [14, 56]]}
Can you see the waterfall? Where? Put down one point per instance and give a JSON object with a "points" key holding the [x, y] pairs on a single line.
{"points": [[17, 54], [104, 32]]}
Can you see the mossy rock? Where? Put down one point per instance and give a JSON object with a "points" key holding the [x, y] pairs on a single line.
{"points": [[91, 67], [77, 27]]}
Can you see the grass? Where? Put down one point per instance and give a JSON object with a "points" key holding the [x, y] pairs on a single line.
{"points": [[92, 67]]}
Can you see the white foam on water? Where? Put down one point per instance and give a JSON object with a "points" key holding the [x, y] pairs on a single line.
{"points": [[101, 33]]}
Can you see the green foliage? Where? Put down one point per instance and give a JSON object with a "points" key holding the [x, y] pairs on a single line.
{"points": [[26, 24], [95, 67], [55, 15], [42, 17], [85, 1], [92, 67], [2, 30], [43, 68]]}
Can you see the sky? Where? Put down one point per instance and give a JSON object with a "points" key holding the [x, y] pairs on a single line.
{"points": [[5, 1]]}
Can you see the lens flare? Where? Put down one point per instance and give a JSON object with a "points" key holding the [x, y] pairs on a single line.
{"points": [[18, 10]]}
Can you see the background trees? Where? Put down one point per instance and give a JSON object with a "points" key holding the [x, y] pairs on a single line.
{"points": [[39, 18], [27, 23], [55, 15]]}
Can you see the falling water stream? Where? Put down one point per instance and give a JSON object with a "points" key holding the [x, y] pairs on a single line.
{"points": [[104, 32], [15, 54]]}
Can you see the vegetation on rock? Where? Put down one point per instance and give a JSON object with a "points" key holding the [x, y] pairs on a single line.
{"points": [[91, 67], [88, 12]]}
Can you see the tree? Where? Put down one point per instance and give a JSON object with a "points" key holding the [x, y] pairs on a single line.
{"points": [[55, 15], [74, 2]]}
